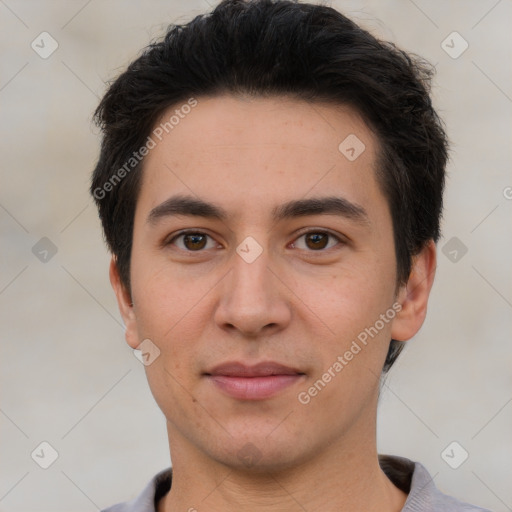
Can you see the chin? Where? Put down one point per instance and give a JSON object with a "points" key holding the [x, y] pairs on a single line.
{"points": [[261, 455]]}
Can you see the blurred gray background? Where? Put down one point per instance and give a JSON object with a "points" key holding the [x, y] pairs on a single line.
{"points": [[67, 376]]}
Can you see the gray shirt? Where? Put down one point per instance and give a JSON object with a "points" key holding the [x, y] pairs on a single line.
{"points": [[411, 477]]}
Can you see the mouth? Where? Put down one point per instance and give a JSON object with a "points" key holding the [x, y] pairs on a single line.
{"points": [[257, 382]]}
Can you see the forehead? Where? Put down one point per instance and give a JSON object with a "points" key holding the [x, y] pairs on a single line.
{"points": [[257, 151], [243, 120]]}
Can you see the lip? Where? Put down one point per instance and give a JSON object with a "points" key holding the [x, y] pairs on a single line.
{"points": [[253, 382], [263, 369]]}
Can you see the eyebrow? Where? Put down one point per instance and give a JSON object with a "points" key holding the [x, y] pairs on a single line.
{"points": [[192, 206]]}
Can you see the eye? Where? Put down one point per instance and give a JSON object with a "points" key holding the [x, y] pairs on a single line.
{"points": [[316, 241], [192, 241], [196, 241]]}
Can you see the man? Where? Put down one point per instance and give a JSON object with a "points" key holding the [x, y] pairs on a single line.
{"points": [[270, 185]]}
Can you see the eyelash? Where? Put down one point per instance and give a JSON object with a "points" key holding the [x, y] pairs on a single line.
{"points": [[301, 234]]}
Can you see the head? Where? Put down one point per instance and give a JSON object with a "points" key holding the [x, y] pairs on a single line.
{"points": [[238, 116]]}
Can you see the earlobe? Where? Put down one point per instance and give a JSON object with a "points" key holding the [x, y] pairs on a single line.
{"points": [[125, 304], [413, 296]]}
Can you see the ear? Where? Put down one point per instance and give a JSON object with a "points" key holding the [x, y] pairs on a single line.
{"points": [[125, 304], [413, 296]]}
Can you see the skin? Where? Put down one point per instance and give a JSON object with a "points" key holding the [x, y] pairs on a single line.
{"points": [[296, 304]]}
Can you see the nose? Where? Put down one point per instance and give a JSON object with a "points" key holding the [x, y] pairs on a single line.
{"points": [[253, 299]]}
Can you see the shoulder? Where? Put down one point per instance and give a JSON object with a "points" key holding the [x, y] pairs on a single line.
{"points": [[423, 495], [146, 501]]}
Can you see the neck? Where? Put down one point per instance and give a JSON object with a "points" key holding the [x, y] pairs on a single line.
{"points": [[345, 476]]}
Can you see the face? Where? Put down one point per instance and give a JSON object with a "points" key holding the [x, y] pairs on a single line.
{"points": [[263, 269]]}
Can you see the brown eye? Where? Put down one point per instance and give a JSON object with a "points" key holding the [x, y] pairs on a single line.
{"points": [[316, 241], [192, 241]]}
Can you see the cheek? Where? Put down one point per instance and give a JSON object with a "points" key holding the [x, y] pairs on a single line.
{"points": [[168, 313], [163, 297], [351, 306], [352, 353], [173, 309], [349, 300]]}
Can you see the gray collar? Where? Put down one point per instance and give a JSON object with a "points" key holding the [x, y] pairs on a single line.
{"points": [[411, 477]]}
